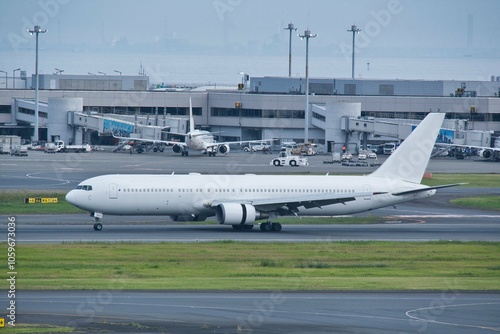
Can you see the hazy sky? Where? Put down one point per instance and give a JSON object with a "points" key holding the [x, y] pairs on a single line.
{"points": [[103, 35], [385, 23]]}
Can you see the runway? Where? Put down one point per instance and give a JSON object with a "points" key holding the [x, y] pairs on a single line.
{"points": [[424, 220], [262, 312], [485, 228]]}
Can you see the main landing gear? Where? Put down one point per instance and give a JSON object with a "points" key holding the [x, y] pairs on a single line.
{"points": [[264, 227], [269, 226]]}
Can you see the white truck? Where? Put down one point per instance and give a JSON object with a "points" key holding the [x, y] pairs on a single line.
{"points": [[50, 148], [336, 158], [61, 147], [19, 150], [287, 159]]}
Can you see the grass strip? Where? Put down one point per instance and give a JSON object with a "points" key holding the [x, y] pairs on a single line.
{"points": [[13, 203], [472, 180], [480, 202], [35, 328], [229, 265]]}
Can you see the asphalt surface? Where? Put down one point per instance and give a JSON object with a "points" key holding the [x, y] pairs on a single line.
{"points": [[111, 309], [262, 312]]}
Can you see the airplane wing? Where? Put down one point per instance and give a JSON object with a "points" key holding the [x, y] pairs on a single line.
{"points": [[497, 149], [284, 206], [241, 142], [487, 152], [152, 141]]}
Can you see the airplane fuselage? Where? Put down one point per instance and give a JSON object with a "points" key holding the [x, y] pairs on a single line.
{"points": [[199, 140], [194, 194]]}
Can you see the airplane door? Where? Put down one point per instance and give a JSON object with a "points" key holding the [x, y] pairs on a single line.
{"points": [[367, 188], [113, 191]]}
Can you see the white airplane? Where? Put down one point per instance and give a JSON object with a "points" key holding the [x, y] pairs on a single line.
{"points": [[490, 153], [242, 200], [195, 139]]}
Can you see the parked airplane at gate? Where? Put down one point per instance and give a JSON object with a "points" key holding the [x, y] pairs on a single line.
{"points": [[490, 153], [198, 140], [242, 200]]}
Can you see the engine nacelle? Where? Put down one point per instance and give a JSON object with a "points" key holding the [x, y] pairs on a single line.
{"points": [[485, 154], [236, 214], [177, 148], [224, 149]]}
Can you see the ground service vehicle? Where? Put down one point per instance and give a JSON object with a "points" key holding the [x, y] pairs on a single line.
{"points": [[287, 159], [61, 147]]}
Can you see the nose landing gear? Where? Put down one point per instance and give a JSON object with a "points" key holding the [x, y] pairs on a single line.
{"points": [[97, 218]]}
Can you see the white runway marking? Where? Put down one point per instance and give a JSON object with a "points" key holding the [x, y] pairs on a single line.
{"points": [[408, 313], [32, 176], [441, 216]]}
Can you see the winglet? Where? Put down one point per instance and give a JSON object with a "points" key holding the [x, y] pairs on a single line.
{"points": [[409, 161]]}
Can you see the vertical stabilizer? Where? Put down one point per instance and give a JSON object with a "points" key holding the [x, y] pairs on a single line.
{"points": [[191, 119], [409, 161]]}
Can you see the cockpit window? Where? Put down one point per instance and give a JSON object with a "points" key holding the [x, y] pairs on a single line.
{"points": [[84, 187]]}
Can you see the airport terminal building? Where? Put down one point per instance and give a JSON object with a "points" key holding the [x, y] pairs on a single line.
{"points": [[342, 111]]}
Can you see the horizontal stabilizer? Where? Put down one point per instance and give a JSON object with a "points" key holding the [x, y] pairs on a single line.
{"points": [[414, 191]]}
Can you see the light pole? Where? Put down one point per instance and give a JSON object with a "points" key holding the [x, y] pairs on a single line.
{"points": [[307, 35], [117, 72], [36, 30], [14, 77], [58, 71], [5, 78], [291, 28], [102, 73], [354, 30]]}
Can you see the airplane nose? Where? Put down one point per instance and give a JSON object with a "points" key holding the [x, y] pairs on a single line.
{"points": [[70, 197]]}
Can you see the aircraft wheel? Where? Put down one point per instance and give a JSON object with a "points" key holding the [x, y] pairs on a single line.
{"points": [[236, 227], [266, 227], [276, 227], [97, 226], [276, 162], [247, 227]]}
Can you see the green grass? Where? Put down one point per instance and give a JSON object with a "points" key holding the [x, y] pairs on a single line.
{"points": [[33, 328], [230, 265], [483, 202], [13, 203], [472, 180]]}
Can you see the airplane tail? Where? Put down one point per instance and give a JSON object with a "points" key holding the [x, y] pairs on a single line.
{"points": [[410, 159], [191, 119]]}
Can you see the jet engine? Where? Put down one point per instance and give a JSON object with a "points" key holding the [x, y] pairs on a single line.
{"points": [[485, 154], [224, 149], [177, 148], [237, 214]]}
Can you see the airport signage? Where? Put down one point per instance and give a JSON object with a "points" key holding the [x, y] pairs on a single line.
{"points": [[43, 200]]}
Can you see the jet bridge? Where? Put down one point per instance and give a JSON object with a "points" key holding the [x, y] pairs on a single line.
{"points": [[133, 126]]}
